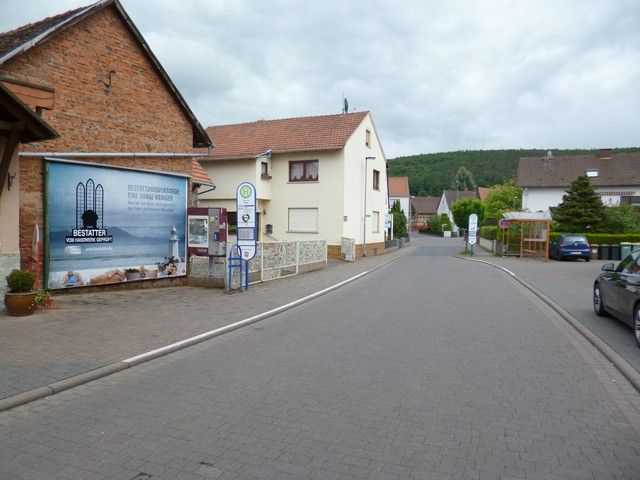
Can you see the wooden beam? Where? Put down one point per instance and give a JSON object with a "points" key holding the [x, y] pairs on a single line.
{"points": [[10, 147]]}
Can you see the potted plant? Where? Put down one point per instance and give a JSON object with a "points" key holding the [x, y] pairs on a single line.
{"points": [[19, 300], [43, 300]]}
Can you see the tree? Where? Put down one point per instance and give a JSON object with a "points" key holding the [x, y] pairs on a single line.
{"points": [[399, 220], [621, 219], [581, 209], [506, 198], [465, 207], [463, 180]]}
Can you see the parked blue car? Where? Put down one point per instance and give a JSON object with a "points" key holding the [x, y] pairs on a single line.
{"points": [[570, 245]]}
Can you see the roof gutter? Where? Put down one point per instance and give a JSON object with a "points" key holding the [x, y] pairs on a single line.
{"points": [[110, 154]]}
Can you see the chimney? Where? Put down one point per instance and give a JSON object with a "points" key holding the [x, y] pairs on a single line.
{"points": [[605, 154]]}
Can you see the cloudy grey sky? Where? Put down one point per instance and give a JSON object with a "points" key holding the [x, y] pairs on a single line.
{"points": [[436, 75]]}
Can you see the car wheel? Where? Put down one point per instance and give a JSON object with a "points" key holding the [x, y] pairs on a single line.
{"points": [[588, 259], [636, 324], [598, 305]]}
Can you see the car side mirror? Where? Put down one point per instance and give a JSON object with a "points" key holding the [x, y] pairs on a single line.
{"points": [[608, 267]]}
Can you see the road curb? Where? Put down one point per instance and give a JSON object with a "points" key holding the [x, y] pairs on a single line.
{"points": [[101, 372], [630, 373]]}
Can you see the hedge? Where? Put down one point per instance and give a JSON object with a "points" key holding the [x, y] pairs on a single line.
{"points": [[605, 238], [495, 233]]}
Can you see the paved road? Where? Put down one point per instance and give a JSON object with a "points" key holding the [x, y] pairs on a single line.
{"points": [[570, 285], [393, 376]]}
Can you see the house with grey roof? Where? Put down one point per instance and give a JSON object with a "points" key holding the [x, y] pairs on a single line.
{"points": [[544, 180], [449, 197], [421, 209]]}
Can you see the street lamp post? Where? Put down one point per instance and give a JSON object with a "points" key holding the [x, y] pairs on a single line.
{"points": [[364, 232]]}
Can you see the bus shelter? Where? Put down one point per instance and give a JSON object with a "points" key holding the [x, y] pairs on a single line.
{"points": [[527, 234]]}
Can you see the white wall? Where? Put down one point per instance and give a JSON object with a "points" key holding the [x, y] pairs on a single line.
{"points": [[356, 151], [540, 199], [338, 195], [404, 204], [9, 208]]}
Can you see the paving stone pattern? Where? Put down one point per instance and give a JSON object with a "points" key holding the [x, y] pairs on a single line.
{"points": [[394, 376]]}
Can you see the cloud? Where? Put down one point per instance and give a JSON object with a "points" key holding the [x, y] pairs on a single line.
{"points": [[437, 76]]}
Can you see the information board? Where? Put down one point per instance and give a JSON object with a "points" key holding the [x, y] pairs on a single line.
{"points": [[473, 228], [247, 227]]}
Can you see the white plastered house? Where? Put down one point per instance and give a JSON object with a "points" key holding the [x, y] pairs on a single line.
{"points": [[544, 180], [399, 191], [449, 197], [312, 176]]}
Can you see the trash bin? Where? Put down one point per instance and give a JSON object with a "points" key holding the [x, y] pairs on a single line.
{"points": [[605, 252], [615, 252], [594, 251], [625, 249]]}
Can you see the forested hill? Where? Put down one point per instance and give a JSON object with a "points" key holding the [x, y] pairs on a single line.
{"points": [[434, 172]]}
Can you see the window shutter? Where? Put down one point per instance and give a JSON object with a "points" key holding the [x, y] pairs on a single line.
{"points": [[303, 220]]}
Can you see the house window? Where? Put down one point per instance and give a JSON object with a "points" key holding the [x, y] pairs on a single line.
{"points": [[306, 171], [375, 222], [303, 220], [367, 139], [376, 180], [264, 169]]}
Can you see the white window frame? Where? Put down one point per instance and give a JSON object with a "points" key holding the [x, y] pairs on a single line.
{"points": [[375, 222]]}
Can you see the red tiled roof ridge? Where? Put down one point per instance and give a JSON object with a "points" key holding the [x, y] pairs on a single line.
{"points": [[289, 135], [286, 119]]}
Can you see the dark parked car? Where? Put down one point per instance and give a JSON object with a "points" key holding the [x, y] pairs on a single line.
{"points": [[616, 291], [570, 246]]}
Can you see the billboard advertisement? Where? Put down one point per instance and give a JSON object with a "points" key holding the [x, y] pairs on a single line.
{"points": [[108, 225]]}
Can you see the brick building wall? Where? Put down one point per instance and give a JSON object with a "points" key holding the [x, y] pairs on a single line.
{"points": [[128, 110]]}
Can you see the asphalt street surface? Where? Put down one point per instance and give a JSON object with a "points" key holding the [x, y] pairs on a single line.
{"points": [[407, 372]]}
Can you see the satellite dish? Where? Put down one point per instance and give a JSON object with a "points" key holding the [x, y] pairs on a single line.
{"points": [[346, 106]]}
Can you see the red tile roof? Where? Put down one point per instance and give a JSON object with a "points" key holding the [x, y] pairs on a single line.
{"points": [[198, 174], [399, 187], [615, 169], [304, 134], [484, 192]]}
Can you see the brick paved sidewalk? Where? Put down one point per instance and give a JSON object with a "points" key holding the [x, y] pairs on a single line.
{"points": [[88, 335]]}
